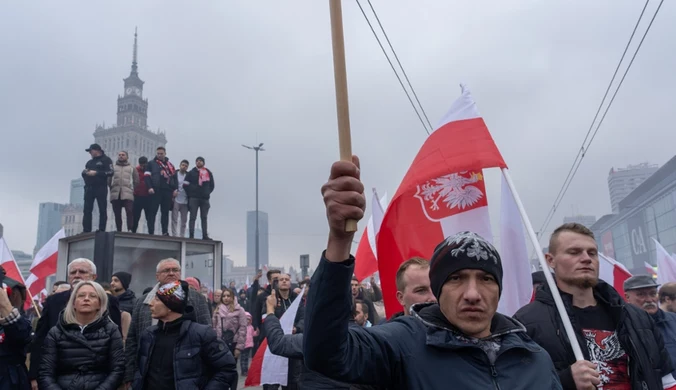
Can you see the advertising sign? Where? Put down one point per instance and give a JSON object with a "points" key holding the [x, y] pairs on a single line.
{"points": [[638, 239]]}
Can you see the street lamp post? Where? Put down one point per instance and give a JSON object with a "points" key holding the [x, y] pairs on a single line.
{"points": [[257, 149]]}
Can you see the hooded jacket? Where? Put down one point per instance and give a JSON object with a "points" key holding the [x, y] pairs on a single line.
{"points": [[420, 351], [638, 336], [85, 358]]}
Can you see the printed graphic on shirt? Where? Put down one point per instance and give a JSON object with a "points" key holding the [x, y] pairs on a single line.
{"points": [[607, 353]]}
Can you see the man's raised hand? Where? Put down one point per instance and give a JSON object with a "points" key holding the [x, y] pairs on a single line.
{"points": [[344, 200]]}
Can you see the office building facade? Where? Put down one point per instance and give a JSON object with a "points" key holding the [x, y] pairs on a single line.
{"points": [[49, 222], [622, 181]]}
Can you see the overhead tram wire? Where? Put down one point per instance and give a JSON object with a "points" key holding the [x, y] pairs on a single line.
{"points": [[583, 149], [395, 71], [396, 57]]}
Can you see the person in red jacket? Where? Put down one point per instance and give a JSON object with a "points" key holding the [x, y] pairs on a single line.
{"points": [[142, 199]]}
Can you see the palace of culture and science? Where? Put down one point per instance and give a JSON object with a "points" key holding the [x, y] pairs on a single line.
{"points": [[131, 134]]}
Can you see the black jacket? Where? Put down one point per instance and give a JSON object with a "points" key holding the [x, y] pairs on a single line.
{"points": [[51, 313], [153, 177], [420, 351], [636, 331], [280, 309], [192, 185], [15, 340], [82, 359], [127, 301], [103, 166], [201, 361]]}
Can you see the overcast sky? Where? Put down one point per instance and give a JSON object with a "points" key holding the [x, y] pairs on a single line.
{"points": [[222, 73]]}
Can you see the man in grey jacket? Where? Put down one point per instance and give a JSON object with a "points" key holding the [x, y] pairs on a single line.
{"points": [[168, 270], [122, 183]]}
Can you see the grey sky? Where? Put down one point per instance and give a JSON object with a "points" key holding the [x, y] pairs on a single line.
{"points": [[220, 74]]}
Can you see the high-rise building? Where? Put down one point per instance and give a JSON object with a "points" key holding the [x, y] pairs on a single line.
{"points": [[49, 222], [586, 220], [23, 261], [622, 181], [1, 230], [77, 191], [262, 239]]}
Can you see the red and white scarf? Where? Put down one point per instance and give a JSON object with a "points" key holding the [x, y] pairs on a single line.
{"points": [[167, 169]]}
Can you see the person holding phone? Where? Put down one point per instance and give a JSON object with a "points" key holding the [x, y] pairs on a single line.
{"points": [[15, 335]]}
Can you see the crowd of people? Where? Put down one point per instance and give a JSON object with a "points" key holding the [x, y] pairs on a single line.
{"points": [[150, 187], [447, 335]]}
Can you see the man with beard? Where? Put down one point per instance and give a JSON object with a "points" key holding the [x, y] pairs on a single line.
{"points": [[641, 290], [125, 178], [621, 345], [158, 179], [119, 285]]}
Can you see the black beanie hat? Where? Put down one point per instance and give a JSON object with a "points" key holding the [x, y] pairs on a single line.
{"points": [[124, 278], [200, 159], [465, 250], [174, 295]]}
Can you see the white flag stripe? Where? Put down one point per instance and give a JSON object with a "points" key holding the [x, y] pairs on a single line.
{"points": [[666, 265], [275, 368], [517, 286]]}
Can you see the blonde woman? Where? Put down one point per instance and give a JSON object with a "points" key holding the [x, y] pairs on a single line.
{"points": [[84, 350]]}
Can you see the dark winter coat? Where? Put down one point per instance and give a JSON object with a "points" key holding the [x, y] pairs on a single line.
{"points": [[193, 188], [51, 314], [666, 323], [420, 351], [142, 320], [201, 361], [103, 166], [640, 339], [82, 359], [14, 341], [154, 179], [127, 301]]}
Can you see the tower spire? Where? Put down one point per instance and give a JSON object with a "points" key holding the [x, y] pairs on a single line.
{"points": [[134, 63]]}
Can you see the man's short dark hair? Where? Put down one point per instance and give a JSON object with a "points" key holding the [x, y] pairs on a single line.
{"points": [[364, 307], [573, 227], [58, 283], [418, 261], [186, 162], [272, 272], [143, 160], [161, 148]]}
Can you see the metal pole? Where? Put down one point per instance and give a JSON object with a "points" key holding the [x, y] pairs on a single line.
{"points": [[257, 258]]}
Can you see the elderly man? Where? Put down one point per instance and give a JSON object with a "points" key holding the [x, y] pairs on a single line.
{"points": [[460, 342], [641, 291], [78, 270], [168, 271]]}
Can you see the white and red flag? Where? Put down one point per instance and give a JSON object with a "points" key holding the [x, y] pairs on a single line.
{"points": [[8, 263], [442, 193], [666, 265], [44, 264], [269, 369], [649, 268], [366, 257], [613, 272]]}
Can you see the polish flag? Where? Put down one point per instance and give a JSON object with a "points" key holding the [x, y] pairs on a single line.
{"points": [[8, 263], [366, 257], [44, 264], [613, 272], [650, 269], [442, 193], [666, 265], [269, 369]]}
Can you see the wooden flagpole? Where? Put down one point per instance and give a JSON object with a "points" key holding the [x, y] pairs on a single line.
{"points": [[340, 76]]}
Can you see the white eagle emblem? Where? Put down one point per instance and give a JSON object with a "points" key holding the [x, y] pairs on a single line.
{"points": [[454, 190]]}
